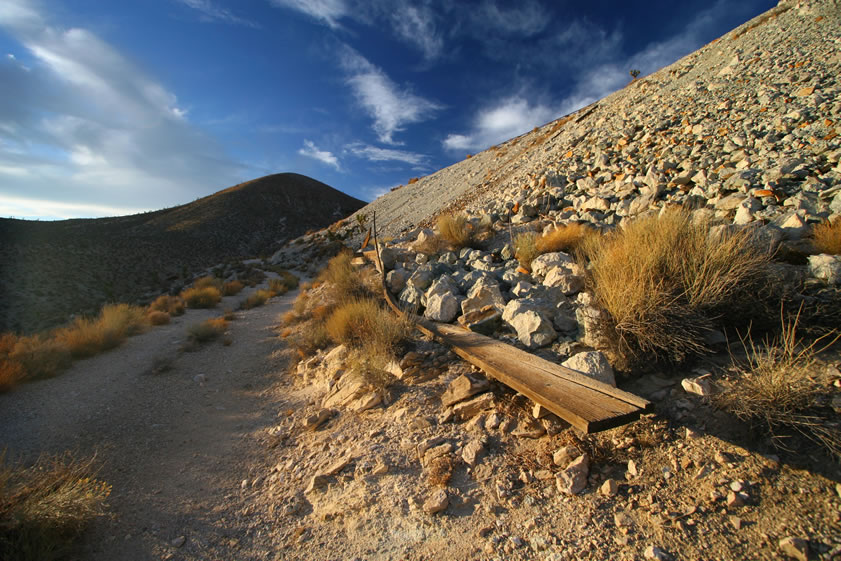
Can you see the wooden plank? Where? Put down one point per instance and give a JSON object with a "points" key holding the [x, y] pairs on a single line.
{"points": [[585, 403]]}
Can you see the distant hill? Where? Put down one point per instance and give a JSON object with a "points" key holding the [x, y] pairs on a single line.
{"points": [[50, 270]]}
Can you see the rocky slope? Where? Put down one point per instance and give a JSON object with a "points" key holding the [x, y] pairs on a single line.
{"points": [[50, 270]]}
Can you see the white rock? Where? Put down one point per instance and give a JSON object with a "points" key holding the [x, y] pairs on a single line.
{"points": [[533, 328], [436, 502], [592, 364], [541, 265], [442, 307], [826, 267], [796, 548], [566, 280], [698, 386], [573, 479]]}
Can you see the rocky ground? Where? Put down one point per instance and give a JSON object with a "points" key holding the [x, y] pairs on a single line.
{"points": [[441, 463]]}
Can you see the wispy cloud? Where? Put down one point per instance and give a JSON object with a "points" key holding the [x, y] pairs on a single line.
{"points": [[376, 154], [329, 12], [525, 19], [390, 106], [310, 150], [132, 148], [211, 12], [499, 122]]}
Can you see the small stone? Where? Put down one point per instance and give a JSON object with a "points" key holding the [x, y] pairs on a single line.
{"points": [[737, 486], [573, 479], [317, 482], [200, 379], [609, 488], [592, 364], [469, 409], [473, 452], [436, 502], [633, 471], [735, 499], [462, 388], [736, 522], [312, 422], [565, 454], [623, 519], [380, 469], [692, 434], [179, 541], [698, 386], [656, 553], [796, 548]]}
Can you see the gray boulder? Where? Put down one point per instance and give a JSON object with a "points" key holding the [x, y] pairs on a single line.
{"points": [[542, 264], [826, 267], [484, 293]]}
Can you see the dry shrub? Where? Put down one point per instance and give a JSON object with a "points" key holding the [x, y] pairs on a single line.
{"points": [[230, 315], [566, 237], [208, 282], [204, 297], [38, 356], [310, 338], [256, 299], [440, 471], [232, 288], [173, 305], [431, 245], [365, 325], [278, 287], [158, 318], [456, 230], [44, 508], [320, 313], [776, 389], [207, 330], [826, 237], [342, 275], [666, 281], [86, 337], [286, 332], [412, 181], [525, 248]]}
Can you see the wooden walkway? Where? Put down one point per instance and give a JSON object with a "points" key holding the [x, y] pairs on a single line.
{"points": [[585, 403]]}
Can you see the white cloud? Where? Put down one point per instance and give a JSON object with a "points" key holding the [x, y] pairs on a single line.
{"points": [[93, 128], [391, 107], [416, 25], [310, 150], [211, 12], [376, 154], [329, 12], [525, 19], [503, 120], [32, 209]]}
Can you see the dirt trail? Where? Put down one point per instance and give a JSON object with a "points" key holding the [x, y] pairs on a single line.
{"points": [[174, 445]]}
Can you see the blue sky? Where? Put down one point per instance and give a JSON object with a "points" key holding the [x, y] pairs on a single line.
{"points": [[117, 107]]}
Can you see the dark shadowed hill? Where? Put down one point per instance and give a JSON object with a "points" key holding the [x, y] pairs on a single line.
{"points": [[50, 270]]}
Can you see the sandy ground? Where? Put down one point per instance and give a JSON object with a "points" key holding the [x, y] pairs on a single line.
{"points": [[174, 444]]}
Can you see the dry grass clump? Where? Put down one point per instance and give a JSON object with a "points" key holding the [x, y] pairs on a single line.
{"points": [[204, 297], [32, 357], [665, 281], [208, 282], [566, 237], [256, 299], [173, 305], [456, 230], [826, 237], [232, 288], [86, 337], [347, 284], [310, 338], [158, 318], [44, 508], [525, 248], [368, 327], [207, 330], [777, 390], [440, 471]]}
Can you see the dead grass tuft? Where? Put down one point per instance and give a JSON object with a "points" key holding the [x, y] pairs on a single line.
{"points": [[37, 355], [456, 230], [208, 282], [207, 330], [566, 237], [232, 288], [525, 248], [826, 237], [44, 508], [776, 388], [310, 338], [347, 284], [87, 337], [665, 281], [173, 305], [365, 324], [256, 299], [158, 318], [204, 297], [440, 471]]}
